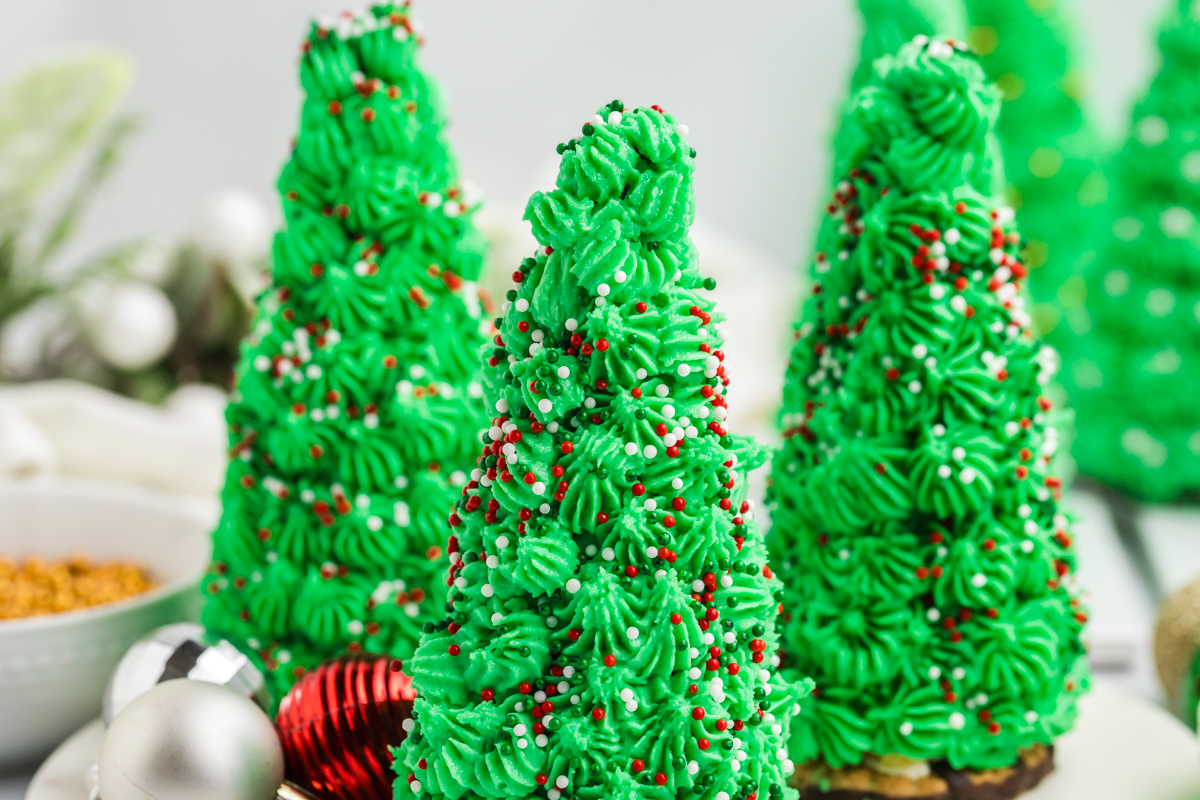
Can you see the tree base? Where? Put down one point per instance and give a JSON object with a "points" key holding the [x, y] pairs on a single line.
{"points": [[818, 782]]}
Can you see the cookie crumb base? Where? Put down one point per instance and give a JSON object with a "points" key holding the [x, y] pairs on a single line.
{"points": [[816, 781]]}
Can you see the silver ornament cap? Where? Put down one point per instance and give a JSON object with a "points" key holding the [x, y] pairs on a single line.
{"points": [[181, 650], [190, 740]]}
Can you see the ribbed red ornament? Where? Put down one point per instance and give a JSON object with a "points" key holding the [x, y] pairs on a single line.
{"points": [[337, 723]]}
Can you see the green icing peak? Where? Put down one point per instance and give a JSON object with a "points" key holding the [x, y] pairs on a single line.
{"points": [[888, 24], [613, 621], [1134, 370], [357, 399], [928, 571]]}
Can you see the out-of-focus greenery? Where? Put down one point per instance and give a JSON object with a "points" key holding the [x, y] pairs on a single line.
{"points": [[62, 134]]}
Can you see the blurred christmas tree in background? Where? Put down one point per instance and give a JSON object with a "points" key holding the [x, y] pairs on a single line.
{"points": [[357, 407], [1134, 373]]}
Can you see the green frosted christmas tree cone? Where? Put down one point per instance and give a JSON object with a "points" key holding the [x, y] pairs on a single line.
{"points": [[1050, 148], [357, 404], [928, 571], [1134, 373], [612, 631]]}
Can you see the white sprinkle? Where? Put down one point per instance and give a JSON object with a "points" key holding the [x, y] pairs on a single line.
{"points": [[487, 590], [573, 585], [502, 542], [935, 673], [649, 451], [608, 554], [933, 615], [944, 471], [979, 580], [957, 721], [967, 475], [631, 449], [502, 406], [632, 633], [572, 324], [521, 305], [906, 728], [603, 290], [958, 674], [684, 370], [545, 406]]}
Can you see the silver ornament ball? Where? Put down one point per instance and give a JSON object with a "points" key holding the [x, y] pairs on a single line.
{"points": [[190, 740], [181, 650]]}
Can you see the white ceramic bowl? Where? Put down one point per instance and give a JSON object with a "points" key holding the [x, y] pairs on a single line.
{"points": [[53, 668]]}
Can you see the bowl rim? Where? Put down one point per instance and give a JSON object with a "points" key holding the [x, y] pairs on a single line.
{"points": [[110, 491]]}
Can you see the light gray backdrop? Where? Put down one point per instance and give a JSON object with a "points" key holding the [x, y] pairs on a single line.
{"points": [[756, 82]]}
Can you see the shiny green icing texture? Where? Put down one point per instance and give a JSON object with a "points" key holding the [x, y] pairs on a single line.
{"points": [[929, 575], [612, 622], [1134, 371], [358, 402]]}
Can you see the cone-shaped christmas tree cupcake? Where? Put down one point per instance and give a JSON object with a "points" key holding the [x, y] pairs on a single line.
{"points": [[1134, 376], [357, 403], [928, 571], [612, 623], [1049, 148]]}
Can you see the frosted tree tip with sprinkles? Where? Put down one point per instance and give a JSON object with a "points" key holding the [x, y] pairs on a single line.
{"points": [[358, 399], [612, 624], [1134, 371], [928, 572]]}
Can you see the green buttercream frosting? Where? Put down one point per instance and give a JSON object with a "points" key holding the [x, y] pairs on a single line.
{"points": [[929, 576], [1134, 372], [888, 24], [1050, 148], [612, 624], [358, 402]]}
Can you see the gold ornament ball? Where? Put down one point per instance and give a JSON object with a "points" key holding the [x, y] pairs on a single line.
{"points": [[1176, 642]]}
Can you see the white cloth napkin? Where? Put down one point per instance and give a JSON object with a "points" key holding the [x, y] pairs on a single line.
{"points": [[71, 429]]}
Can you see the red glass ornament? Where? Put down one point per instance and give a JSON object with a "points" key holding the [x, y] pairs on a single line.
{"points": [[338, 722]]}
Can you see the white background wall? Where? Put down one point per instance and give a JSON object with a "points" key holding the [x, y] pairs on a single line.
{"points": [[756, 82]]}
